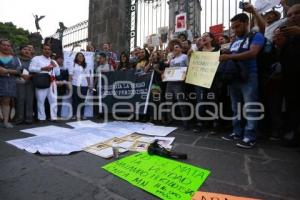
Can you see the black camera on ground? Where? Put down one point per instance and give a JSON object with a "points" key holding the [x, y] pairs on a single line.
{"points": [[156, 149]]}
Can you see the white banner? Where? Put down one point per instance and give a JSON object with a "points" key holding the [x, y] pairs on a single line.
{"points": [[264, 5]]}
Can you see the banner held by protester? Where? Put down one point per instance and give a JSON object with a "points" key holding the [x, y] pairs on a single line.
{"points": [[127, 96], [202, 68]]}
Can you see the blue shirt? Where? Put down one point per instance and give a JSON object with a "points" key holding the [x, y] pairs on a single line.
{"points": [[258, 39]]}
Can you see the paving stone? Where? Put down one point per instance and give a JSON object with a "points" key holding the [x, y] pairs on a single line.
{"points": [[277, 177], [268, 171], [28, 178], [219, 144], [184, 139], [224, 166], [7, 151], [128, 191]]}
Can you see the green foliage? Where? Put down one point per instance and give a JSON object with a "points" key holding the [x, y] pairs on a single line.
{"points": [[19, 36]]}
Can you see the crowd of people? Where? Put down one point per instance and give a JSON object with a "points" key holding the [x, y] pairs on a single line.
{"points": [[26, 80]]}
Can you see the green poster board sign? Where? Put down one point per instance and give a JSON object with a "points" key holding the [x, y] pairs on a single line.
{"points": [[165, 178]]}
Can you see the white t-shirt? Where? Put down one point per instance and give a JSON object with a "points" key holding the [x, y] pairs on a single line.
{"points": [[79, 75], [104, 68], [180, 61]]}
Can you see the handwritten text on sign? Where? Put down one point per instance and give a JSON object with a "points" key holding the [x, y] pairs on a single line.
{"points": [[165, 178], [202, 68]]}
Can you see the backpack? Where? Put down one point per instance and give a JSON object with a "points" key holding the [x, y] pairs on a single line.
{"points": [[266, 59], [231, 70]]}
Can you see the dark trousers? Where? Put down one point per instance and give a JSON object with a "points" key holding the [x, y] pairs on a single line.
{"points": [[176, 90], [273, 99], [24, 103], [78, 98]]}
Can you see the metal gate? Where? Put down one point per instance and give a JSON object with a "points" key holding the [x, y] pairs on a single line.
{"points": [[147, 16]]}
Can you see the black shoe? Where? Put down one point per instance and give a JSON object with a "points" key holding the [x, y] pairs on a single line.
{"points": [[18, 121], [185, 128], [197, 130], [246, 143], [166, 122], [231, 137], [28, 122]]}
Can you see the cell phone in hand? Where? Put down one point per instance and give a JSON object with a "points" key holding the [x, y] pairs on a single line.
{"points": [[53, 63], [242, 5]]}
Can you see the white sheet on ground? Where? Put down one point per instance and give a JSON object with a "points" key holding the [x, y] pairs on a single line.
{"points": [[45, 145], [45, 130], [84, 123], [55, 140]]}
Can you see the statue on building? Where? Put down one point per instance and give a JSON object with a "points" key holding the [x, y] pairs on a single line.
{"points": [[36, 21], [61, 30]]}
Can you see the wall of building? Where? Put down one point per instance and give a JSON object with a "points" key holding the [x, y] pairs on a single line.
{"points": [[109, 22]]}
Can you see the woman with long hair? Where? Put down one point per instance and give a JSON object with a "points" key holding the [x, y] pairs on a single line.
{"points": [[143, 59], [9, 66], [80, 76], [208, 44], [124, 62]]}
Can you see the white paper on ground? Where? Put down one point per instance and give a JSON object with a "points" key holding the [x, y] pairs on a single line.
{"points": [[81, 139], [157, 130], [45, 130], [165, 141], [45, 145], [105, 151], [84, 123], [146, 139], [55, 140]]}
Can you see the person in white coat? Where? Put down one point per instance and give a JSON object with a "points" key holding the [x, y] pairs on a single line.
{"points": [[44, 64]]}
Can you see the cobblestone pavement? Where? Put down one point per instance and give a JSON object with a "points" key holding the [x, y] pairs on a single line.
{"points": [[268, 171]]}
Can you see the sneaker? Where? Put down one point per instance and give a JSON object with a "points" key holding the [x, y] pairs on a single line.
{"points": [[73, 118], [18, 121], [246, 143], [231, 137], [28, 121]]}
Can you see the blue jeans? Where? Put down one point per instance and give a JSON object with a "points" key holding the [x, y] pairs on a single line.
{"points": [[242, 93]]}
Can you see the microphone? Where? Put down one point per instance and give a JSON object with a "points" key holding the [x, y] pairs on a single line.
{"points": [[156, 149]]}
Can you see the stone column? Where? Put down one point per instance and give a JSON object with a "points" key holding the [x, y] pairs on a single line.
{"points": [[109, 22]]}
